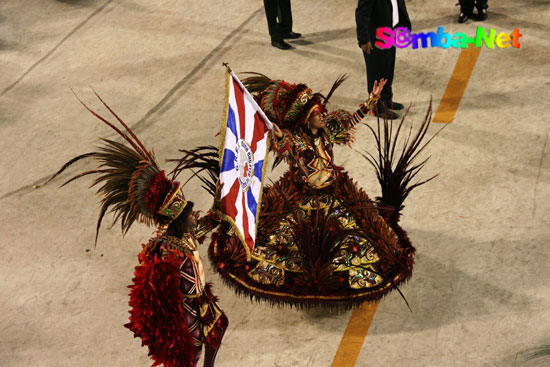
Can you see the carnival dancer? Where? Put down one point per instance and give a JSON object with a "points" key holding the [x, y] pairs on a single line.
{"points": [[320, 239], [173, 309]]}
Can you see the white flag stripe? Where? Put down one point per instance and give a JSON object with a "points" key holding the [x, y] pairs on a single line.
{"points": [[239, 218], [228, 178], [261, 148], [250, 111], [251, 222], [230, 138]]}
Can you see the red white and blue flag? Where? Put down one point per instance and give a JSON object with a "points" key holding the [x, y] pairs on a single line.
{"points": [[243, 155]]}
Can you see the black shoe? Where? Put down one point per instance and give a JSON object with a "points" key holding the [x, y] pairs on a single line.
{"points": [[396, 106], [463, 17], [281, 45], [384, 114], [481, 14], [292, 35]]}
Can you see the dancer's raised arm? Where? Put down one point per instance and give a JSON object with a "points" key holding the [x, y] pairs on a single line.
{"points": [[341, 123]]}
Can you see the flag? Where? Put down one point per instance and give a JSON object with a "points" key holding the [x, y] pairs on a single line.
{"points": [[243, 154]]}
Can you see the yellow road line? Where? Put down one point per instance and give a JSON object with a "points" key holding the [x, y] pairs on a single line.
{"points": [[457, 85], [352, 341]]}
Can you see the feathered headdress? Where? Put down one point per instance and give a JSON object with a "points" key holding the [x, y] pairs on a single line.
{"points": [[133, 186], [290, 105]]}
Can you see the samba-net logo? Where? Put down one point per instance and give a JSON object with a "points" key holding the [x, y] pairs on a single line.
{"points": [[402, 38]]}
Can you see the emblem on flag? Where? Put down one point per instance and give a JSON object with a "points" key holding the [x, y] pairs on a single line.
{"points": [[244, 164], [243, 154]]}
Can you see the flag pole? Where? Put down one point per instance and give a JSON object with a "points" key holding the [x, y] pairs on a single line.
{"points": [[227, 66]]}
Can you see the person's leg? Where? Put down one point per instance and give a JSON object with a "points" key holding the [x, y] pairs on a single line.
{"points": [[213, 341], [191, 313], [467, 6], [481, 6], [387, 92], [271, 10], [197, 355], [210, 353], [466, 9], [191, 310], [394, 104], [378, 68], [285, 16], [381, 63], [370, 64]]}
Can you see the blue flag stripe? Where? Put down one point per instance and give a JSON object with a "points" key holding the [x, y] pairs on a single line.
{"points": [[258, 169], [228, 160], [231, 123], [252, 204]]}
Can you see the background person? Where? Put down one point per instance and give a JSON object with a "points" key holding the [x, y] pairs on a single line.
{"points": [[281, 28], [369, 16]]}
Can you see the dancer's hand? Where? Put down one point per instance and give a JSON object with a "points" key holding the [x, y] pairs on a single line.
{"points": [[350, 138], [377, 88], [278, 133], [367, 47]]}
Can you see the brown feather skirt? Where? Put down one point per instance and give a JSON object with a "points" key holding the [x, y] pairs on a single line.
{"points": [[332, 247]]}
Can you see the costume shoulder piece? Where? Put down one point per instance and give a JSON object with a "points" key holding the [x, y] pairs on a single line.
{"points": [[338, 125], [179, 246]]}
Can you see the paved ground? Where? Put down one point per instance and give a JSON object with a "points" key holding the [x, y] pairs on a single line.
{"points": [[479, 295]]}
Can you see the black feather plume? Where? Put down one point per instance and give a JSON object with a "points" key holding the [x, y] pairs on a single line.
{"points": [[119, 168], [338, 82], [204, 162], [395, 170]]}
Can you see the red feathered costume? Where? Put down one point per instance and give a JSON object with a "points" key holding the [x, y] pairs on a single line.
{"points": [[157, 314], [173, 310]]}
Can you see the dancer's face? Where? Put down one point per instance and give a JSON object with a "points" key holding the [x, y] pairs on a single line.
{"points": [[316, 121], [189, 223]]}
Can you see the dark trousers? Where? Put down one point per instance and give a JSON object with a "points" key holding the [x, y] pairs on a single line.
{"points": [[381, 64], [278, 9], [467, 6]]}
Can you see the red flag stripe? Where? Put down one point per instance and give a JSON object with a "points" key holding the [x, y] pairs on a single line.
{"points": [[239, 98], [228, 204], [259, 131]]}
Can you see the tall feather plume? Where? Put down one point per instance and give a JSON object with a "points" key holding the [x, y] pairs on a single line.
{"points": [[122, 170], [395, 170], [204, 162], [338, 82], [143, 150]]}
